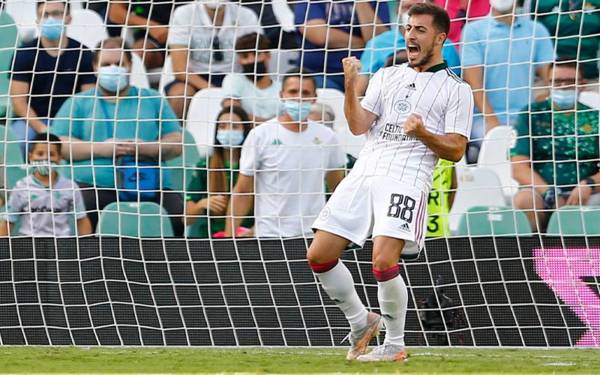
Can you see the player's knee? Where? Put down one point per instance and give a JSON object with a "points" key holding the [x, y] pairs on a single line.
{"points": [[320, 261], [384, 272]]}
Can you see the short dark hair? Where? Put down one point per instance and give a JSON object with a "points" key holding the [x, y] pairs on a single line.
{"points": [[441, 20], [252, 42], [45, 138], [299, 73], [39, 3], [112, 43]]}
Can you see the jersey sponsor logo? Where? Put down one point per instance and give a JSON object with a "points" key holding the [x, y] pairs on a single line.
{"points": [[394, 133]]}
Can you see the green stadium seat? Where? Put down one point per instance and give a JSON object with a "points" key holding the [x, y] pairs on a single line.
{"points": [[8, 43], [181, 168], [134, 219], [575, 221], [493, 221], [11, 158]]}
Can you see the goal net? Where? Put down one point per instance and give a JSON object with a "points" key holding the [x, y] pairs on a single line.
{"points": [[115, 232]]}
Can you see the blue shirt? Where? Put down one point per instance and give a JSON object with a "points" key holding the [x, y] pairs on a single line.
{"points": [[384, 45], [142, 115], [510, 56], [337, 14], [52, 79]]}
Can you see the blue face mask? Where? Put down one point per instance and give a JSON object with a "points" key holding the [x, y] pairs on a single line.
{"points": [[113, 78], [565, 99], [230, 137], [52, 28], [298, 111]]}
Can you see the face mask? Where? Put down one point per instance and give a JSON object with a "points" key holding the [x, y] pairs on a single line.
{"points": [[41, 166], [52, 28], [502, 6], [564, 98], [230, 137], [298, 111], [248, 70], [213, 4], [113, 78]]}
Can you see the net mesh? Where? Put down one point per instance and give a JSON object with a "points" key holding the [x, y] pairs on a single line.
{"points": [[151, 142]]}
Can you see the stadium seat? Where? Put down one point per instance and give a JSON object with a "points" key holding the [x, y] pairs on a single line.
{"points": [[8, 41], [139, 76], [493, 221], [590, 98], [134, 219], [87, 27], [11, 159], [575, 221], [495, 155], [182, 168], [202, 114], [24, 14], [351, 143], [476, 187]]}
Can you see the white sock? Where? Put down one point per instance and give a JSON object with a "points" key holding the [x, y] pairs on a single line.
{"points": [[393, 301], [339, 285]]}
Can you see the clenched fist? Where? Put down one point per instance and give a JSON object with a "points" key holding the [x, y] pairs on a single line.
{"points": [[351, 68], [414, 125]]}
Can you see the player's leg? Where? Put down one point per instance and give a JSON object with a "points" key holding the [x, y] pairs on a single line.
{"points": [[323, 257]]}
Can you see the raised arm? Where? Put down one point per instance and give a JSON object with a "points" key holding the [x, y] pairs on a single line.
{"points": [[359, 119]]}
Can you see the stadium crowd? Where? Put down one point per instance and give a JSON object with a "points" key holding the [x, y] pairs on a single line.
{"points": [[277, 150]]}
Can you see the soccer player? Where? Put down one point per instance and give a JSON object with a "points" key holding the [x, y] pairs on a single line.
{"points": [[414, 114]]}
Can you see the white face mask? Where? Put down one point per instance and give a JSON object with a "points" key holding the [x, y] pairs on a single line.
{"points": [[502, 6]]}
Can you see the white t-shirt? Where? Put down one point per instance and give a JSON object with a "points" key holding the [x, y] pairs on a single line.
{"points": [[443, 100], [260, 102], [289, 171], [191, 27]]}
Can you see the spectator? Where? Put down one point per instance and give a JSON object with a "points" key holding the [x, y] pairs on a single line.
{"points": [[47, 71], [379, 49], [208, 191], [555, 158], [460, 11], [270, 24], [254, 89], [202, 41], [323, 113], [286, 186], [119, 124], [575, 26], [43, 203], [499, 54], [441, 198], [332, 30], [150, 20]]}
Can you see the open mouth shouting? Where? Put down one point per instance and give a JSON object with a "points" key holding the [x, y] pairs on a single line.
{"points": [[413, 51]]}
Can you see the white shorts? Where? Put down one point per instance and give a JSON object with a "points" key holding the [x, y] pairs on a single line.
{"points": [[377, 206]]}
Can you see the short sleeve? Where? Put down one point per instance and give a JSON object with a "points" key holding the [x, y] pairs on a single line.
{"points": [[23, 64], [472, 50], [16, 203], [250, 157], [544, 49], [169, 123], [522, 146], [231, 87], [86, 68], [78, 204], [337, 157], [306, 11], [373, 101], [382, 9], [179, 29], [459, 114]]}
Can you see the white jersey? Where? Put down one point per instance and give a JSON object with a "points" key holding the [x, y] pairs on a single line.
{"points": [[443, 100], [289, 171]]}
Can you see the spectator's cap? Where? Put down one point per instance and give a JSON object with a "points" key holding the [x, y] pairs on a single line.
{"points": [[113, 43], [252, 42]]}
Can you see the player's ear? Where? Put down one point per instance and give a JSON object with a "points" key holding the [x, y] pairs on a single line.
{"points": [[441, 38]]}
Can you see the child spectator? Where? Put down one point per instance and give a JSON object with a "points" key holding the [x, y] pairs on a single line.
{"points": [[42, 204]]}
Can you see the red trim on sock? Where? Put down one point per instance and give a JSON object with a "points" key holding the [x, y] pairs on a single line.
{"points": [[323, 267], [386, 275]]}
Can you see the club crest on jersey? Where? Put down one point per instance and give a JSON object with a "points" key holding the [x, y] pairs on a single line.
{"points": [[402, 107]]}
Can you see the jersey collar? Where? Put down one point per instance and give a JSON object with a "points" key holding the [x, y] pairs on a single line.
{"points": [[437, 68]]}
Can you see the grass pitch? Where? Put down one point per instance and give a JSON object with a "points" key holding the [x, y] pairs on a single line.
{"points": [[292, 361]]}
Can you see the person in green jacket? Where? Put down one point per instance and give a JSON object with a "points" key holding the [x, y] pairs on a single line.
{"points": [[209, 189]]}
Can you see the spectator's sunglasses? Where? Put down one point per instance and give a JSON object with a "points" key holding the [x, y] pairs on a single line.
{"points": [[217, 52]]}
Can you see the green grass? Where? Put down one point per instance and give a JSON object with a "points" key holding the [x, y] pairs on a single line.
{"points": [[292, 361]]}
